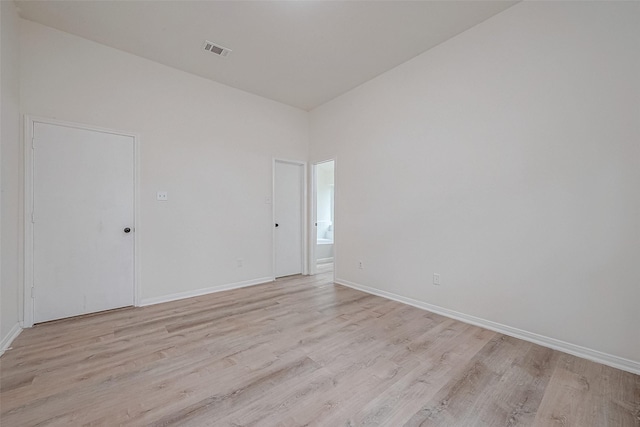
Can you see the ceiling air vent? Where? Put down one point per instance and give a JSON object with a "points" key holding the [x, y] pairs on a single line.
{"points": [[216, 49]]}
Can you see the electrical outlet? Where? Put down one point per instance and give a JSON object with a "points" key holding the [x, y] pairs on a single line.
{"points": [[239, 262], [360, 265], [162, 196], [436, 279]]}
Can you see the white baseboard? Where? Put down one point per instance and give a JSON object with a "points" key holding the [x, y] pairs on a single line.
{"points": [[324, 260], [203, 291], [5, 344], [576, 350]]}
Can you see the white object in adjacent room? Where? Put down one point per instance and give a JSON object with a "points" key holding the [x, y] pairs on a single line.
{"points": [[288, 206], [83, 258]]}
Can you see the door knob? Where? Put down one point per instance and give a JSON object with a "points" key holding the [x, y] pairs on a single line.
{"points": [[277, 225], [127, 230]]}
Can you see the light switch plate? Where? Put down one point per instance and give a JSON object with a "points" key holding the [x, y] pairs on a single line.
{"points": [[162, 195]]}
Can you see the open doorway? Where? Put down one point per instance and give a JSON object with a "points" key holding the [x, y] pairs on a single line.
{"points": [[324, 219]]}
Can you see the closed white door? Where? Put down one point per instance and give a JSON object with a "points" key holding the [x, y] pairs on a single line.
{"points": [[288, 199], [83, 245]]}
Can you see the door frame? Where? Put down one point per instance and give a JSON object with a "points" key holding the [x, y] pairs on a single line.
{"points": [[303, 214], [28, 181], [313, 218]]}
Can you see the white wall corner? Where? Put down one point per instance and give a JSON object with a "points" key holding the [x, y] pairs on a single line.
{"points": [[555, 344]]}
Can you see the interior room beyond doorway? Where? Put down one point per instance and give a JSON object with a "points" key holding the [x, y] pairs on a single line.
{"points": [[325, 214]]}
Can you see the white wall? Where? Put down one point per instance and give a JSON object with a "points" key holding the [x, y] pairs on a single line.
{"points": [[208, 145], [10, 155], [507, 159]]}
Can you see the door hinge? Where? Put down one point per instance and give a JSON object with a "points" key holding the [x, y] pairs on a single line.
{"points": [[33, 217], [33, 292], [33, 143]]}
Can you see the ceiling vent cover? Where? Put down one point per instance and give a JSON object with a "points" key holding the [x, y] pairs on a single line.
{"points": [[216, 49]]}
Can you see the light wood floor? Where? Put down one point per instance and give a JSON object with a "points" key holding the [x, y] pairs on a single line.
{"points": [[300, 351]]}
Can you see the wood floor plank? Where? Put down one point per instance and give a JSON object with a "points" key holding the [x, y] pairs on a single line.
{"points": [[493, 389], [587, 393], [439, 363], [298, 351]]}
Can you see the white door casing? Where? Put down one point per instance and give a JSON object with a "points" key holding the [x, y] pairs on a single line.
{"points": [[313, 219], [83, 199]]}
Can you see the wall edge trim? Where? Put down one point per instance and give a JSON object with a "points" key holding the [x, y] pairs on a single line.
{"points": [[555, 344], [5, 344], [203, 291]]}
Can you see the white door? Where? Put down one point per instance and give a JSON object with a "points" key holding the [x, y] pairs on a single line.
{"points": [[83, 204], [288, 199]]}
